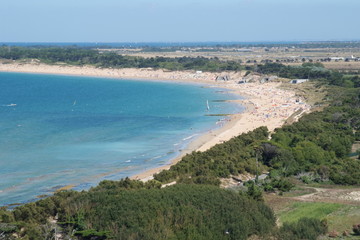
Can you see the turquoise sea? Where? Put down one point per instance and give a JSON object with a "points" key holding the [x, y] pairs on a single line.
{"points": [[61, 130]]}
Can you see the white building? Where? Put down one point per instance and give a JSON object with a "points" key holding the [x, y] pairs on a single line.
{"points": [[297, 81]]}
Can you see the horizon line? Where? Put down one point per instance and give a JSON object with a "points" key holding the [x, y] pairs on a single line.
{"points": [[211, 41]]}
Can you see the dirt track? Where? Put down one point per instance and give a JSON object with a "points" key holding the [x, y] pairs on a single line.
{"points": [[331, 195]]}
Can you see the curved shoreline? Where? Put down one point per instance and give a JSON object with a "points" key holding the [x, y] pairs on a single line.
{"points": [[265, 104]]}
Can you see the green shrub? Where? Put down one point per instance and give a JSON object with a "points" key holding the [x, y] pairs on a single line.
{"points": [[356, 229], [305, 228], [175, 212]]}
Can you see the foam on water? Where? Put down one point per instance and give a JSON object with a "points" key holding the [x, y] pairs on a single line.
{"points": [[65, 130]]}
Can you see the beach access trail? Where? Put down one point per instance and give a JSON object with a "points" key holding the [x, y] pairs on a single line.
{"points": [[266, 104]]}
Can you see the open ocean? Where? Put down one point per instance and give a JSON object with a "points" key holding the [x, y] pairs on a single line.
{"points": [[60, 130]]}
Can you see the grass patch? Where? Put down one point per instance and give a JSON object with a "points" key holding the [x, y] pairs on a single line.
{"points": [[308, 91], [299, 191], [340, 217], [316, 210], [344, 218]]}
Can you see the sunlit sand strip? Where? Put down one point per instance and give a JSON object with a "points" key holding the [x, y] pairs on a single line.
{"points": [[67, 187]]}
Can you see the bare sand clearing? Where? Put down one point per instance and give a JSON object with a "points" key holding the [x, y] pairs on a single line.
{"points": [[266, 104]]}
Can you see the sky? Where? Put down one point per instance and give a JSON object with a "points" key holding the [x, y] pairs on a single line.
{"points": [[178, 20]]}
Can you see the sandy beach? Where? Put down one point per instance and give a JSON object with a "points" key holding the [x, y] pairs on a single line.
{"points": [[128, 73], [266, 104]]}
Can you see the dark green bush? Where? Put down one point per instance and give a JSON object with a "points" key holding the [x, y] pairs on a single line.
{"points": [[305, 228]]}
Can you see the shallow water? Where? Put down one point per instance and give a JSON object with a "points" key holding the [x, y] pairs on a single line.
{"points": [[61, 130]]}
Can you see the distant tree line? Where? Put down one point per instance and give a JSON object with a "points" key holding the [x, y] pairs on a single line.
{"points": [[268, 45], [158, 47], [314, 71], [305, 45], [317, 46], [82, 56]]}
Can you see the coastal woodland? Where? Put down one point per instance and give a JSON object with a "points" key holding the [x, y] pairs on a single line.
{"points": [[317, 149], [81, 56]]}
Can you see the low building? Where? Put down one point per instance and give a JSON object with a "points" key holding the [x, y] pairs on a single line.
{"points": [[337, 58], [244, 50], [297, 81], [268, 79], [222, 78]]}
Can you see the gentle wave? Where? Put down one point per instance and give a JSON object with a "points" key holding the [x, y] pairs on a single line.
{"points": [[190, 137], [9, 105]]}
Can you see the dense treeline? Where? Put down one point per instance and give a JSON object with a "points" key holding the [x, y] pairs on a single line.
{"points": [[310, 71], [305, 228], [234, 157], [81, 56], [130, 209], [176, 212], [320, 142]]}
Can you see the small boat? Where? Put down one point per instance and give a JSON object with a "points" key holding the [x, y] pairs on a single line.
{"points": [[207, 105]]}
